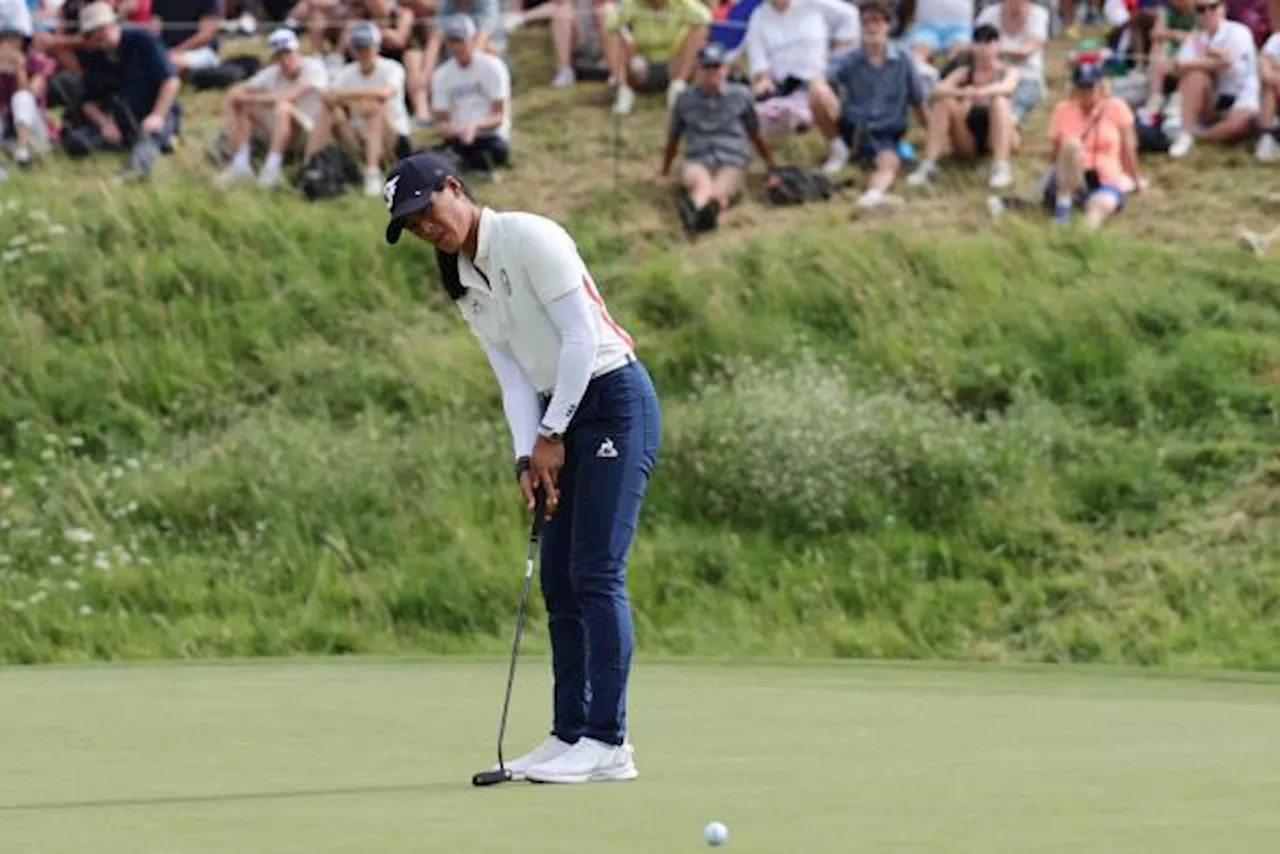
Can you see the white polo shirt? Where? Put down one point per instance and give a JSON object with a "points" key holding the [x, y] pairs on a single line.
{"points": [[523, 263], [797, 43], [1240, 78]]}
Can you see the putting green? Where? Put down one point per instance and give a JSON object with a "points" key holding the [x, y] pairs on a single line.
{"points": [[377, 757]]}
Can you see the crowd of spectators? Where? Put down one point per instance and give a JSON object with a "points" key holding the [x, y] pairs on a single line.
{"points": [[360, 77]]}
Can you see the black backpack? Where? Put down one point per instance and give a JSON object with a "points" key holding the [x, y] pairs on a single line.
{"points": [[328, 173], [791, 185]]}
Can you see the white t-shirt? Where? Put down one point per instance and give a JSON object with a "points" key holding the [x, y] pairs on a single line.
{"points": [[312, 72], [1036, 27], [944, 13], [17, 13], [386, 72], [1272, 47], [1240, 77], [797, 43], [467, 94], [529, 262]]}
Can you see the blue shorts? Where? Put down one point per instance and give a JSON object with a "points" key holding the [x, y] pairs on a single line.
{"points": [[940, 38], [1090, 189], [868, 146]]}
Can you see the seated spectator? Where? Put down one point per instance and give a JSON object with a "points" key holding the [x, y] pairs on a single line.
{"points": [[653, 45], [566, 31], [189, 29], [716, 119], [365, 109], [940, 28], [323, 22], [1218, 85], [1173, 24], [471, 98], [1093, 159], [130, 100], [1269, 72], [24, 78], [789, 44], [971, 112], [491, 38], [876, 84], [1024, 32], [395, 22], [280, 105]]}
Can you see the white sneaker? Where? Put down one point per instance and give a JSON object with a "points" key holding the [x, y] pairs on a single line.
{"points": [[1266, 150], [373, 183], [550, 748], [625, 101], [1001, 175], [269, 179], [587, 761], [838, 158], [564, 78], [234, 173], [923, 175], [874, 200], [1181, 145]]}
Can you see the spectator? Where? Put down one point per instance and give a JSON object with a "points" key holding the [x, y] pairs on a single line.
{"points": [[566, 32], [1093, 149], [940, 27], [1173, 24], [1269, 72], [1024, 32], [971, 112], [471, 97], [365, 108], [189, 29], [17, 15], [394, 21], [789, 44], [280, 104], [716, 119], [24, 78], [130, 100], [653, 45], [1218, 84], [323, 22], [490, 38], [877, 83]]}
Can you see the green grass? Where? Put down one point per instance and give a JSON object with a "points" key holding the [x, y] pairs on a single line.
{"points": [[923, 437], [308, 757]]}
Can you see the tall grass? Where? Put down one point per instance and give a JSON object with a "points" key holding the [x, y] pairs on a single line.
{"points": [[227, 429]]}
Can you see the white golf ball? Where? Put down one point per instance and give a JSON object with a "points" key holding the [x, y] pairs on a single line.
{"points": [[715, 833]]}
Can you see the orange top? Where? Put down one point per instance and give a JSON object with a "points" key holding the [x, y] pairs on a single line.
{"points": [[1101, 135]]}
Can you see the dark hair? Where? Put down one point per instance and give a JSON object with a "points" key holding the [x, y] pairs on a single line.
{"points": [[447, 262], [986, 33], [877, 7]]}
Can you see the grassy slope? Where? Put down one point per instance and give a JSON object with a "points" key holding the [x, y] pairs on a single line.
{"points": [[339, 757], [962, 441]]}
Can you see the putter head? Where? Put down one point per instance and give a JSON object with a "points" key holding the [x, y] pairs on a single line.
{"points": [[492, 777]]}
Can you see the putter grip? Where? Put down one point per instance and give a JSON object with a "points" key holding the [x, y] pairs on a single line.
{"points": [[539, 512]]}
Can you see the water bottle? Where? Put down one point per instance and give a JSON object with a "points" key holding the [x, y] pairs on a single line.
{"points": [[906, 151]]}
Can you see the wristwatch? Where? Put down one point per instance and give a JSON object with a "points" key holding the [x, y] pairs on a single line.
{"points": [[549, 434]]}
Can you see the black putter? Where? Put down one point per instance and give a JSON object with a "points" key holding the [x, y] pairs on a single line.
{"points": [[502, 774]]}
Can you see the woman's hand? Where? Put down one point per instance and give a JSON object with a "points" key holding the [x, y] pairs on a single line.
{"points": [[544, 471]]}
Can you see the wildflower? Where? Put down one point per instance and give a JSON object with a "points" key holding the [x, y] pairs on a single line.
{"points": [[73, 586], [85, 611], [79, 536]]}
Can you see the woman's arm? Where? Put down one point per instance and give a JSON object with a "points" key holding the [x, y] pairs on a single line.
{"points": [[520, 400], [579, 341]]}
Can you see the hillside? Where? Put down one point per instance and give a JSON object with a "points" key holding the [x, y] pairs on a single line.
{"points": [[234, 424]]}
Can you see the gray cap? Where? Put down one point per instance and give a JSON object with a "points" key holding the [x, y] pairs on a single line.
{"points": [[459, 28], [365, 34]]}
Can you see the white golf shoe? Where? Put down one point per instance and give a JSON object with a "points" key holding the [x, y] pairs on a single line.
{"points": [[588, 761], [550, 748]]}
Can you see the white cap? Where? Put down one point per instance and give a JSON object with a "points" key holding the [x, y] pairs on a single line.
{"points": [[281, 40], [96, 15]]}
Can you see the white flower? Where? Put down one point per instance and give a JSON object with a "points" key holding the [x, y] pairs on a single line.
{"points": [[17, 241], [47, 454], [57, 230], [132, 463], [71, 585], [85, 611], [37, 597], [79, 536], [56, 560], [75, 442], [17, 604], [101, 561]]}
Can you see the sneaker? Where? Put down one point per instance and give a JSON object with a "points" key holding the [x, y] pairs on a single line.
{"points": [[1181, 145], [373, 183], [1001, 175], [234, 173], [625, 101], [564, 78], [837, 158], [550, 748], [269, 179], [1266, 150], [587, 761], [23, 157], [874, 200], [688, 214], [923, 175]]}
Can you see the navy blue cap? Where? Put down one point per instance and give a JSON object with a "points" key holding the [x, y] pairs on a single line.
{"points": [[410, 185], [1087, 74], [712, 54]]}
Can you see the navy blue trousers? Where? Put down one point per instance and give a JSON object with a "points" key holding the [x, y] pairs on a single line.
{"points": [[611, 447]]}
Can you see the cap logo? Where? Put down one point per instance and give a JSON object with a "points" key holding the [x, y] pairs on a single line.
{"points": [[389, 191]]}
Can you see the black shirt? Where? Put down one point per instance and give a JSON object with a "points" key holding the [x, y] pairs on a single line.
{"points": [[181, 18]]}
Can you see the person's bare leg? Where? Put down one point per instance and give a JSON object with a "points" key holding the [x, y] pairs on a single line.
{"points": [[1098, 209], [938, 140], [1267, 112], [686, 57], [726, 185], [235, 116], [697, 183], [418, 85], [321, 133], [825, 108], [1196, 90], [373, 119], [562, 21], [1234, 126], [1158, 71], [886, 169]]}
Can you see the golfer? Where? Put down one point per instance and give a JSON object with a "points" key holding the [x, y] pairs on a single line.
{"points": [[585, 428]]}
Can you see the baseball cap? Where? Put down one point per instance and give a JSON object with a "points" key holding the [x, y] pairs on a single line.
{"points": [[365, 34], [459, 28], [410, 185], [95, 16], [986, 33], [281, 40], [1087, 73], [712, 54]]}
